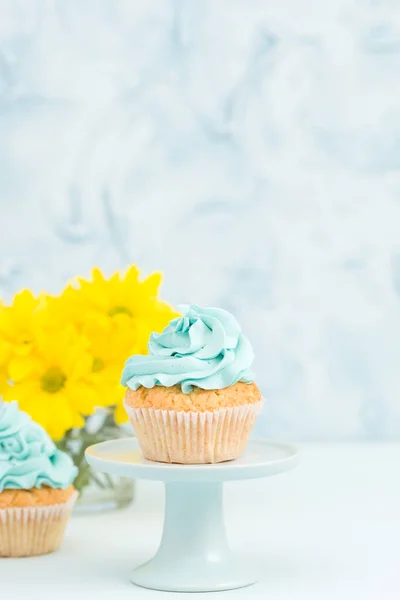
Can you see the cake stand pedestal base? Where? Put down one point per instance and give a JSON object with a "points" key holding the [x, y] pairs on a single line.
{"points": [[194, 555]]}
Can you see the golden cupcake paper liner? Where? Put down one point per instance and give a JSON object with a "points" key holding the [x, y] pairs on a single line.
{"points": [[33, 530], [172, 436]]}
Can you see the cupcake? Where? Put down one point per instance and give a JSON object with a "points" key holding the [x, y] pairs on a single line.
{"points": [[192, 399], [36, 491]]}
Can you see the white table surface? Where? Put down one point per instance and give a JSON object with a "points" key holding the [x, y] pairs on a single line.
{"points": [[330, 529]]}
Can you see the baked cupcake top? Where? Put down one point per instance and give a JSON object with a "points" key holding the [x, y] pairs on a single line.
{"points": [[204, 348], [28, 457]]}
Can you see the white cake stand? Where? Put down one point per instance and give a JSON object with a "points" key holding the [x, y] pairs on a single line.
{"points": [[194, 555]]}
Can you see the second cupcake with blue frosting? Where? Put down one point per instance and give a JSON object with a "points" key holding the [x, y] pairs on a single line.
{"points": [[193, 399], [36, 491]]}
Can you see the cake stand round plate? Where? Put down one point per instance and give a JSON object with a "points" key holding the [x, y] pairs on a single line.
{"points": [[194, 555]]}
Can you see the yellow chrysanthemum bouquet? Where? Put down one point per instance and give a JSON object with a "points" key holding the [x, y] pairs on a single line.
{"points": [[61, 356]]}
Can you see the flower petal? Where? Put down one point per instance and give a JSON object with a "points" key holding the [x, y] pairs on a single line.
{"points": [[22, 366]]}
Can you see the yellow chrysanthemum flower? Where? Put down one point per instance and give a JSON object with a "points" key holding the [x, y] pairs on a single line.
{"points": [[61, 357], [53, 383], [129, 306], [117, 315], [19, 324]]}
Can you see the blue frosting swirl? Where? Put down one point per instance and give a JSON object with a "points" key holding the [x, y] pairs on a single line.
{"points": [[28, 457], [204, 348]]}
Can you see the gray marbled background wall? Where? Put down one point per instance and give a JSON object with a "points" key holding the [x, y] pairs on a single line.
{"points": [[249, 149]]}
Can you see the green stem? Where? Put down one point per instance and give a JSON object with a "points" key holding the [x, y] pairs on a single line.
{"points": [[85, 439], [63, 443]]}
